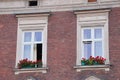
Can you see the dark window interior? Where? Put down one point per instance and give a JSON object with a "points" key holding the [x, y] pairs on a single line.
{"points": [[39, 51], [33, 3]]}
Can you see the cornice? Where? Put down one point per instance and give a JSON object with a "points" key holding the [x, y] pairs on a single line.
{"points": [[70, 7]]}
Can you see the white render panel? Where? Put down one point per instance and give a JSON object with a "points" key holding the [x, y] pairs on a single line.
{"points": [[23, 3], [108, 0], [61, 2], [12, 3], [21, 6], [33, 20], [92, 18]]}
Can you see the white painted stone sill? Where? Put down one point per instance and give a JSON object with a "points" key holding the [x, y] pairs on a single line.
{"points": [[30, 70], [80, 68]]}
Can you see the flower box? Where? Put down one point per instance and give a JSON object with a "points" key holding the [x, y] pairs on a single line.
{"points": [[25, 63], [93, 61]]}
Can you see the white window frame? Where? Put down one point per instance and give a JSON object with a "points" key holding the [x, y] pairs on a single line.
{"points": [[28, 23], [92, 18], [92, 39], [32, 43]]}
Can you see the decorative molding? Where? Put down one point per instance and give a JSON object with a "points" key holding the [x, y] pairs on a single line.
{"points": [[92, 78], [30, 78], [92, 18], [92, 67], [32, 22], [31, 70], [91, 11], [33, 15], [63, 7]]}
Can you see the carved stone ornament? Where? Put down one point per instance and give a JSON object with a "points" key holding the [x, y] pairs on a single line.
{"points": [[30, 78], [92, 78]]}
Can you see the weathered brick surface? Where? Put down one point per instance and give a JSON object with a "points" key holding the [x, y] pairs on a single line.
{"points": [[61, 48]]}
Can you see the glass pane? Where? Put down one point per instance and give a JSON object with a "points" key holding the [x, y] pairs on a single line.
{"points": [[98, 33], [87, 49], [98, 48], [38, 36], [87, 34], [27, 36], [27, 51]]}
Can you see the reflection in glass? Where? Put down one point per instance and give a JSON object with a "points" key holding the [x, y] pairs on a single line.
{"points": [[38, 36], [98, 33], [27, 51], [87, 49], [98, 48], [27, 36], [87, 33]]}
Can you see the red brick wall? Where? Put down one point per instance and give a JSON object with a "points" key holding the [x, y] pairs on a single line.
{"points": [[61, 48], [8, 30]]}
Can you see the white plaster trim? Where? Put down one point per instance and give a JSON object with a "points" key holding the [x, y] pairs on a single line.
{"points": [[31, 70], [92, 78], [92, 11], [65, 7], [92, 67], [32, 22], [83, 20], [32, 15]]}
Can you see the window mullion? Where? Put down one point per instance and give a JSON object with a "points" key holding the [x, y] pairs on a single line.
{"points": [[92, 34], [32, 47], [103, 53], [82, 46], [22, 47]]}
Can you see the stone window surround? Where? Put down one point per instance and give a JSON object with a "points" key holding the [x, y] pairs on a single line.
{"points": [[86, 18], [31, 22]]}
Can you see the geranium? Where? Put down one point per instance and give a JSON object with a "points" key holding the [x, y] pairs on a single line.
{"points": [[25, 63], [93, 60], [100, 60], [83, 60]]}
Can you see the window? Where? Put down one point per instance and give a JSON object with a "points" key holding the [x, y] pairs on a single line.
{"points": [[33, 3], [32, 42], [32, 45], [92, 42], [92, 38]]}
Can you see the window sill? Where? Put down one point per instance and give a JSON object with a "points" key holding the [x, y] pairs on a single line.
{"points": [[29, 70], [80, 68]]}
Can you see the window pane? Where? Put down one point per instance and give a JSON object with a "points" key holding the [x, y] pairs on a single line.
{"points": [[38, 36], [27, 36], [98, 48], [27, 51], [98, 33], [39, 51], [87, 49], [87, 34]]}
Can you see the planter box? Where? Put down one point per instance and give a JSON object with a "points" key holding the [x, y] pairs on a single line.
{"points": [[84, 64], [28, 67]]}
